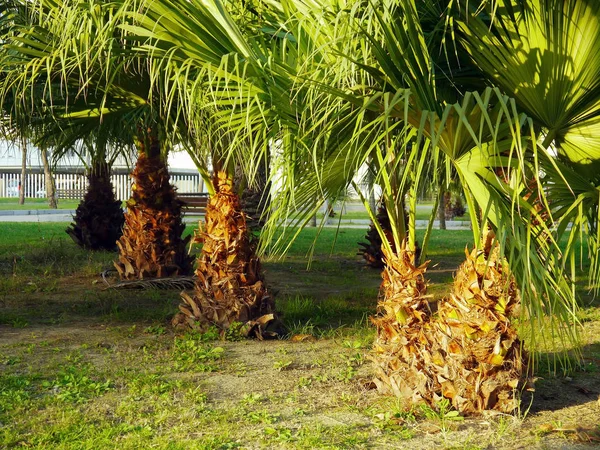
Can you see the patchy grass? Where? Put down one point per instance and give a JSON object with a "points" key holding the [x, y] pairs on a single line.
{"points": [[81, 367]]}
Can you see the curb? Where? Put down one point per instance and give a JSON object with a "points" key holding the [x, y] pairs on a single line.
{"points": [[35, 212]]}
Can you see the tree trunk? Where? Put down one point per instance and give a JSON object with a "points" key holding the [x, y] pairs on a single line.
{"points": [[23, 180], [469, 353], [48, 180], [442, 209], [372, 201], [151, 245], [371, 250], [98, 221], [230, 286], [255, 198]]}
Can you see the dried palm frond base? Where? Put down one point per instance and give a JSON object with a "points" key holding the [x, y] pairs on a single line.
{"points": [[151, 245], [229, 286], [468, 353], [98, 221]]}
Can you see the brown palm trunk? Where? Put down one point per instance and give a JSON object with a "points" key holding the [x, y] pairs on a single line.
{"points": [[98, 221], [441, 212], [230, 287], [151, 245], [468, 353]]}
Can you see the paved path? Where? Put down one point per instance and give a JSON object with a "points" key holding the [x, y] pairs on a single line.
{"points": [[66, 215], [37, 215]]}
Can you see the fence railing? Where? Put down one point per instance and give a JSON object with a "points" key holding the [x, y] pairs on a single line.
{"points": [[35, 185]]}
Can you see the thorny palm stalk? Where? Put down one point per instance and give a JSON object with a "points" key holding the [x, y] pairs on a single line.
{"points": [[98, 221], [152, 243]]}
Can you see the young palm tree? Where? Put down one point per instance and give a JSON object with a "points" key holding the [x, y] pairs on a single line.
{"points": [[230, 285], [404, 121], [98, 221], [97, 88]]}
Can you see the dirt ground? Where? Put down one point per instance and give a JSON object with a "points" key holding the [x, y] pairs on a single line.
{"points": [[165, 391]]}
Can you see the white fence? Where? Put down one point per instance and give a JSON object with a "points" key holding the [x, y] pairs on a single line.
{"points": [[35, 185]]}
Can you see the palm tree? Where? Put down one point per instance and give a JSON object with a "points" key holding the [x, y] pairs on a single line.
{"points": [[544, 54], [109, 93], [99, 219], [345, 86], [230, 284]]}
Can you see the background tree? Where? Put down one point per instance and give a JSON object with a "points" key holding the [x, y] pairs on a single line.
{"points": [[48, 179], [99, 219]]}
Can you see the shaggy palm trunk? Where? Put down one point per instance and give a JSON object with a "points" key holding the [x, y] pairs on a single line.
{"points": [[230, 286], [98, 221], [468, 353], [151, 245]]}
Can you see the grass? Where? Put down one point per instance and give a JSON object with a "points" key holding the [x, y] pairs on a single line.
{"points": [[11, 203], [82, 367], [355, 211]]}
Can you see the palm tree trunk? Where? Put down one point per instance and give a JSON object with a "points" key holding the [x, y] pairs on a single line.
{"points": [[23, 180], [442, 209], [468, 353], [151, 245], [371, 250], [230, 286], [98, 221], [255, 199], [48, 179]]}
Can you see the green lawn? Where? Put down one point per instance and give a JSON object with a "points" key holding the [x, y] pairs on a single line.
{"points": [[82, 367], [356, 212], [34, 203]]}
